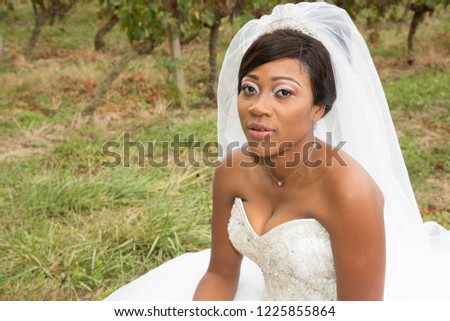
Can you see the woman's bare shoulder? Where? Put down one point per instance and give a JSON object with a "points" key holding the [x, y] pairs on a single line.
{"points": [[350, 189], [353, 216], [232, 171]]}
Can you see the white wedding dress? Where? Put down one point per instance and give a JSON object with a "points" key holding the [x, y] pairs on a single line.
{"points": [[295, 259]]}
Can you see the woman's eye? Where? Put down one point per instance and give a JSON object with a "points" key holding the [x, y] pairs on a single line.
{"points": [[249, 89], [283, 92]]}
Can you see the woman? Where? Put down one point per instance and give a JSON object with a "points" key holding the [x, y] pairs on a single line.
{"points": [[315, 219], [283, 92]]}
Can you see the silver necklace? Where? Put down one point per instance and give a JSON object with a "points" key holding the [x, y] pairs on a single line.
{"points": [[280, 183]]}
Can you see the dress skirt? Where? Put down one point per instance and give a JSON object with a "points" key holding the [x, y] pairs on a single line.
{"points": [[177, 279]]}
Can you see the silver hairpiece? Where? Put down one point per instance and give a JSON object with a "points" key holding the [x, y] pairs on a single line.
{"points": [[293, 21]]}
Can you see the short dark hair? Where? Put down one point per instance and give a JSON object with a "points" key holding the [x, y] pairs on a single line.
{"points": [[312, 54]]}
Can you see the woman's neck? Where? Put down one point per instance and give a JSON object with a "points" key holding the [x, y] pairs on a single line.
{"points": [[301, 161]]}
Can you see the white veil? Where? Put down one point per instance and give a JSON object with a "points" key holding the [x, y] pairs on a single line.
{"points": [[418, 254]]}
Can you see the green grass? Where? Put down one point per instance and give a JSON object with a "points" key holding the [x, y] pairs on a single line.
{"points": [[74, 230], [420, 92], [74, 233]]}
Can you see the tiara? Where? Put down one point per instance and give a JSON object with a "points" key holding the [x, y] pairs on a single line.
{"points": [[291, 21]]}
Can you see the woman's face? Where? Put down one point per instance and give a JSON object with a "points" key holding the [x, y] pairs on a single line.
{"points": [[276, 107]]}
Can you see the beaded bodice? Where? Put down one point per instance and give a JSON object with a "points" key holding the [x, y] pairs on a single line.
{"points": [[295, 257]]}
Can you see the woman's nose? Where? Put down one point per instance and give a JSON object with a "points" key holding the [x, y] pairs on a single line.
{"points": [[261, 106]]}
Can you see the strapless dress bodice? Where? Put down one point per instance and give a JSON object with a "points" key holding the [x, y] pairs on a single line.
{"points": [[295, 257]]}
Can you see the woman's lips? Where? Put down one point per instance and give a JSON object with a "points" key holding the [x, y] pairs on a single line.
{"points": [[259, 131]]}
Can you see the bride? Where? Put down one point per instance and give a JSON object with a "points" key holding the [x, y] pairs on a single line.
{"points": [[316, 204]]}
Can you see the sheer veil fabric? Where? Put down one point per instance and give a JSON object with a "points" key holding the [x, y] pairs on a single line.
{"points": [[418, 254]]}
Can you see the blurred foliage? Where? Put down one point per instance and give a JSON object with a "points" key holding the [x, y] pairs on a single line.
{"points": [[52, 8], [144, 18], [6, 9]]}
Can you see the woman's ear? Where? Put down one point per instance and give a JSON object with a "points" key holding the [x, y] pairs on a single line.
{"points": [[317, 112]]}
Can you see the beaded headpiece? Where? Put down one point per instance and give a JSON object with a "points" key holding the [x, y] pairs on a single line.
{"points": [[292, 21]]}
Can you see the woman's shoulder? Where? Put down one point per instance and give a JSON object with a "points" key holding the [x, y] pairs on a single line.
{"points": [[348, 185], [236, 161], [232, 159], [234, 168]]}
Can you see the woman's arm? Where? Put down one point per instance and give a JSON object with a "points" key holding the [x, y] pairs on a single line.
{"points": [[221, 279], [358, 237]]}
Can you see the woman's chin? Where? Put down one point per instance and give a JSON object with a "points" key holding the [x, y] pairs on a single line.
{"points": [[258, 150]]}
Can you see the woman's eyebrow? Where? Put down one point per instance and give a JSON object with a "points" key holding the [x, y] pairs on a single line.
{"points": [[286, 78], [253, 76]]}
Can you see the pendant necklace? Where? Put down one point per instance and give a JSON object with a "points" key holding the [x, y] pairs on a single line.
{"points": [[280, 183]]}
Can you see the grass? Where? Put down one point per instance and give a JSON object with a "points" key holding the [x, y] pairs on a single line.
{"points": [[410, 93], [77, 232], [74, 230]]}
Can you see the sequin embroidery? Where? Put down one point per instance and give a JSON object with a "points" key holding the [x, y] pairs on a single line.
{"points": [[295, 257]]}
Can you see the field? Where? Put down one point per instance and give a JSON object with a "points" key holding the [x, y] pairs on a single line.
{"points": [[72, 229]]}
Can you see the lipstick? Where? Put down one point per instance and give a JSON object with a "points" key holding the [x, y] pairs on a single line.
{"points": [[259, 131]]}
